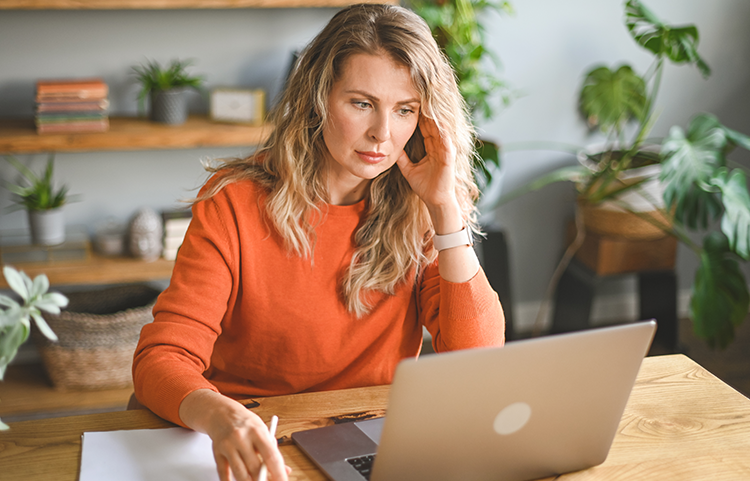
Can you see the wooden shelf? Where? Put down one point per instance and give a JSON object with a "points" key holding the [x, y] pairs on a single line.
{"points": [[129, 133], [169, 4], [97, 270]]}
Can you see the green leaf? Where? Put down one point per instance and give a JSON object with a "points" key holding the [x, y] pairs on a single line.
{"points": [[11, 338], [40, 194], [39, 286], [8, 302], [55, 298], [610, 99], [3, 426], [736, 138], [16, 282], [678, 44], [720, 297], [735, 223], [43, 326], [690, 162], [489, 152]]}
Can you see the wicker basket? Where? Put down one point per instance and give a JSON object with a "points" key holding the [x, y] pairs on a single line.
{"points": [[98, 333]]}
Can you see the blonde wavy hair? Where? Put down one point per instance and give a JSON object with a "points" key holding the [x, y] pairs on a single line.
{"points": [[395, 239]]}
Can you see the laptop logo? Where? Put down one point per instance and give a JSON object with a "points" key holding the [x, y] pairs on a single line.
{"points": [[512, 418]]}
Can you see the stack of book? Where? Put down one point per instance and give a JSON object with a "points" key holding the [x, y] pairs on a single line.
{"points": [[176, 223], [76, 105]]}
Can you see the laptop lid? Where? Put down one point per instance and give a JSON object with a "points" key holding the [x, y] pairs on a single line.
{"points": [[531, 409]]}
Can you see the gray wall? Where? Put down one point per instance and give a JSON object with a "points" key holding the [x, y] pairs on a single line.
{"points": [[545, 48]]}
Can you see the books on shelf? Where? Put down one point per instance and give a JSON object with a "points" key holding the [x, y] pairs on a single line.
{"points": [[72, 105], [176, 224]]}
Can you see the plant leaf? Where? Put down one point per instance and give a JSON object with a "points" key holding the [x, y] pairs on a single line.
{"points": [[8, 302], [16, 282], [737, 138], [55, 298], [610, 99], [735, 223], [678, 44], [43, 326], [39, 286], [690, 162], [11, 338], [720, 297]]}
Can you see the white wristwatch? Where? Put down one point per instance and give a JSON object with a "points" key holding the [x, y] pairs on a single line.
{"points": [[460, 238]]}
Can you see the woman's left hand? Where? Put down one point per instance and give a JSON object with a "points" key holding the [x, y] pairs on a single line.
{"points": [[433, 178]]}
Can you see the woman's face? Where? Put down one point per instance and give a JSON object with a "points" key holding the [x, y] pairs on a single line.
{"points": [[373, 110]]}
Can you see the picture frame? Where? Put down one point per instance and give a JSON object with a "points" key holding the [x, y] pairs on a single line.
{"points": [[236, 105]]}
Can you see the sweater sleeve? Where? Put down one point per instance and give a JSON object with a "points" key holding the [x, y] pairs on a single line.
{"points": [[175, 350], [460, 315]]}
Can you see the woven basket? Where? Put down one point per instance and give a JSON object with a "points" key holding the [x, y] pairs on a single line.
{"points": [[98, 333]]}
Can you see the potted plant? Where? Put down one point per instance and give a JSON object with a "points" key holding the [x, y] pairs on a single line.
{"points": [[15, 318], [165, 87], [42, 202], [697, 184], [456, 27]]}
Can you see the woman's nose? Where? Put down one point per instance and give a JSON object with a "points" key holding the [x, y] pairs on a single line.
{"points": [[380, 130]]}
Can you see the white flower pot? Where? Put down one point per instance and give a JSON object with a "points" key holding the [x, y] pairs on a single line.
{"points": [[47, 226]]}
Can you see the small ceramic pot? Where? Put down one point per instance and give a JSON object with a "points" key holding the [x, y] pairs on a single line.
{"points": [[47, 226], [169, 106]]}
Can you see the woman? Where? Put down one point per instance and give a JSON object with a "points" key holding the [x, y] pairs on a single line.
{"points": [[314, 263]]}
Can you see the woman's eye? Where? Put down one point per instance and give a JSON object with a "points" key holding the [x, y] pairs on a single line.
{"points": [[361, 105], [405, 111]]}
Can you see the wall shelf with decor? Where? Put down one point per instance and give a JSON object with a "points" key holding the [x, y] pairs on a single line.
{"points": [[125, 134], [167, 4], [129, 133]]}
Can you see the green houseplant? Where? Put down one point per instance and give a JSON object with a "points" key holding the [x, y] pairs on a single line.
{"points": [[42, 202], [458, 31], [165, 86], [15, 318], [699, 184]]}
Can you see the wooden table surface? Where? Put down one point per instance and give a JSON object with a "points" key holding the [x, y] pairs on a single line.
{"points": [[681, 423]]}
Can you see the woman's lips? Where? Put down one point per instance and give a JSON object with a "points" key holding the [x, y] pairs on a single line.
{"points": [[371, 157]]}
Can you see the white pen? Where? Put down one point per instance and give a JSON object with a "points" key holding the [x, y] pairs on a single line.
{"points": [[272, 430]]}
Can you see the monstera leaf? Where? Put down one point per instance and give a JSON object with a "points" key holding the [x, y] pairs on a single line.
{"points": [[720, 298], [735, 223], [610, 99], [689, 165], [678, 44]]}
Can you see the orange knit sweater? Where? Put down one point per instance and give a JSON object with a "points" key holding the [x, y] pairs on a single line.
{"points": [[245, 317]]}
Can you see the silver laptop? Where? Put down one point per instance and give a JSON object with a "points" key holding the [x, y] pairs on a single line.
{"points": [[531, 409]]}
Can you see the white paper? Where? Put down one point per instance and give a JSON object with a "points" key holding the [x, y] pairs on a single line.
{"points": [[172, 454]]}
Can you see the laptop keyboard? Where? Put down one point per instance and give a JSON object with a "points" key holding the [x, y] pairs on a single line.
{"points": [[363, 464]]}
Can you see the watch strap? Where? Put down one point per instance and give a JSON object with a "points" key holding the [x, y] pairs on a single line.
{"points": [[456, 239]]}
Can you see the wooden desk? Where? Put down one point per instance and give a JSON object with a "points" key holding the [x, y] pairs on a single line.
{"points": [[681, 423]]}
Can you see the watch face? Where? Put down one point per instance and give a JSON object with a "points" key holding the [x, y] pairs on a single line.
{"points": [[230, 105]]}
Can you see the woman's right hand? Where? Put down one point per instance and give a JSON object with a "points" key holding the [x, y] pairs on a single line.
{"points": [[241, 441]]}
